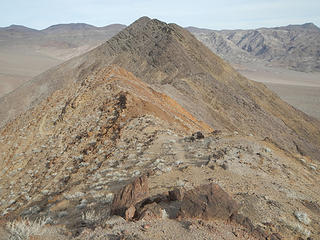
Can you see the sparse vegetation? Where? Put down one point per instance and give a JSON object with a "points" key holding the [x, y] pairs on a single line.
{"points": [[91, 216], [24, 229]]}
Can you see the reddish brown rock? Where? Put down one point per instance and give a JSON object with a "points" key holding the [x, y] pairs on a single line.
{"points": [[35, 237], [146, 226], [208, 202], [130, 195]]}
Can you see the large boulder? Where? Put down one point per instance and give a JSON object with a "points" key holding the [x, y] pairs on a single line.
{"points": [[208, 202], [129, 195]]}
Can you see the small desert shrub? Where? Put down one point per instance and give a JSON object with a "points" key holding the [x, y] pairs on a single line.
{"points": [[25, 228], [91, 216]]}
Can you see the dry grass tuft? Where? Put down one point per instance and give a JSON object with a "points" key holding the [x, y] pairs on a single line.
{"points": [[91, 216], [26, 229]]}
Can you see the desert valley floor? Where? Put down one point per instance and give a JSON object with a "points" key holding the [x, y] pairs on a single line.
{"points": [[300, 89]]}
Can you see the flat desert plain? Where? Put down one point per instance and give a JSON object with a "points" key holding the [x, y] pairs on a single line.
{"points": [[20, 64], [300, 89]]}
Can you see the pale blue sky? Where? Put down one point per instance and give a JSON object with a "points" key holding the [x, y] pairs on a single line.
{"points": [[222, 14]]}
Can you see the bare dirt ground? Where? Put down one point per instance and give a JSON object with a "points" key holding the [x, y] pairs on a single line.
{"points": [[300, 89]]}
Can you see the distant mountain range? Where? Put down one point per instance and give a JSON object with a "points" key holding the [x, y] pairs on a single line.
{"points": [[292, 46], [60, 36], [61, 41], [295, 46], [26, 52]]}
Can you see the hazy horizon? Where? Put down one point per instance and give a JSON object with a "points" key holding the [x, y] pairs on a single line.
{"points": [[107, 24], [231, 14]]}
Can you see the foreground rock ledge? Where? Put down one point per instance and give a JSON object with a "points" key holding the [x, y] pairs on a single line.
{"points": [[205, 202]]}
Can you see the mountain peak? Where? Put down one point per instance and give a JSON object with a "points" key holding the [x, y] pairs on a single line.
{"points": [[141, 20], [305, 26], [145, 21], [16, 26]]}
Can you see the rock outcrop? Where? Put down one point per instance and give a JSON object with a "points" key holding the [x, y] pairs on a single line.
{"points": [[205, 202], [130, 195]]}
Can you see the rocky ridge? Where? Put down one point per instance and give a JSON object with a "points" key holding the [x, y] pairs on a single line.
{"points": [[78, 122], [82, 144]]}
